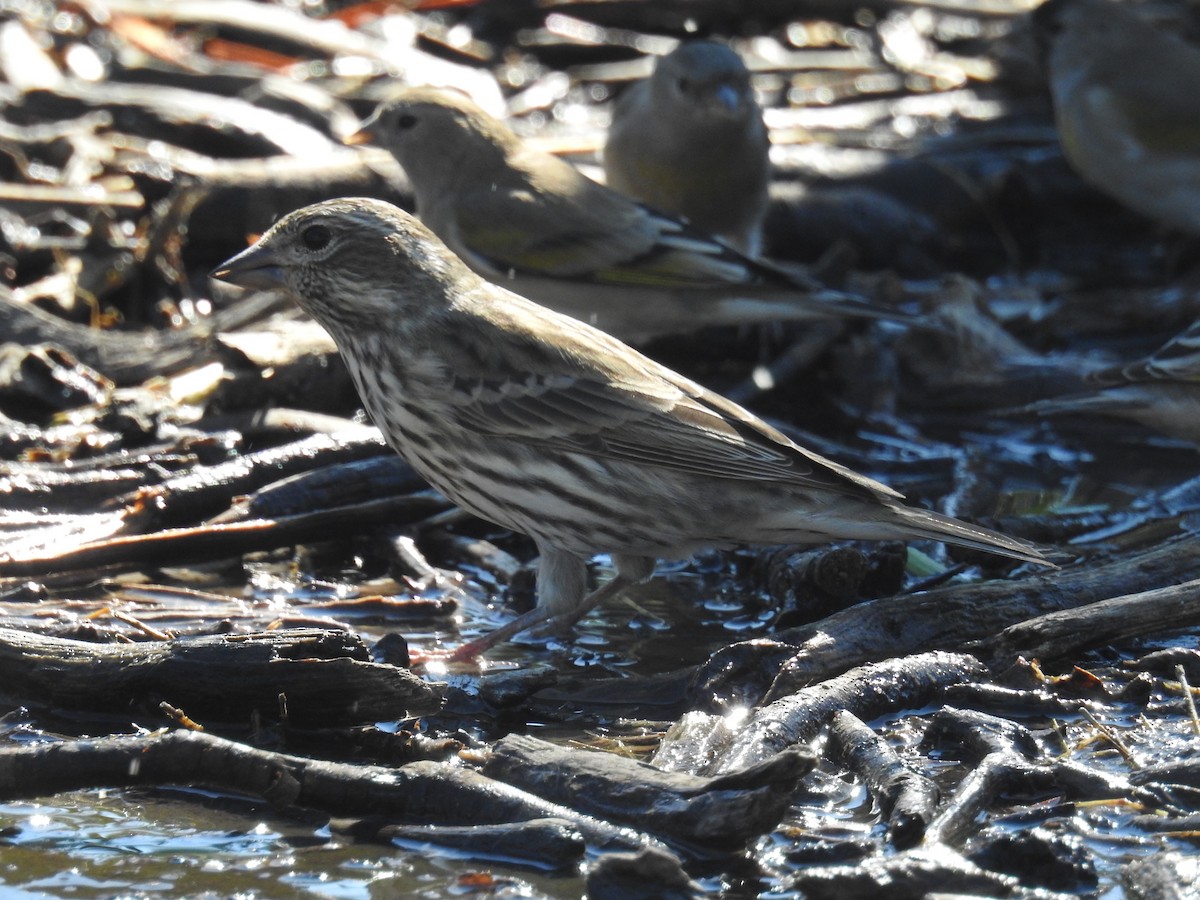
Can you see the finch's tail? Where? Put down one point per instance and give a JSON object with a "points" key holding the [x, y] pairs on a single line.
{"points": [[923, 523]]}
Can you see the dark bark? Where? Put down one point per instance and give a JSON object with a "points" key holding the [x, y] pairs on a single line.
{"points": [[306, 676], [906, 799], [718, 813], [425, 791], [945, 618], [1065, 633]]}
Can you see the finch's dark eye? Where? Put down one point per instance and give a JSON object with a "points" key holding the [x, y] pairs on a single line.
{"points": [[316, 237], [405, 122]]}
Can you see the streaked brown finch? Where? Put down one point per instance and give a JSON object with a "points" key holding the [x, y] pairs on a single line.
{"points": [[552, 428]]}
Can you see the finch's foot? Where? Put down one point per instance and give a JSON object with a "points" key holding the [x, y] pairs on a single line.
{"points": [[477, 647], [537, 616]]}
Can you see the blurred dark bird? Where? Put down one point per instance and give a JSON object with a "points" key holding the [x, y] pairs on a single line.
{"points": [[1127, 106]]}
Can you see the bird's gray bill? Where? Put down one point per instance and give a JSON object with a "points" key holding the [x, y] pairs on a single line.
{"points": [[254, 267]]}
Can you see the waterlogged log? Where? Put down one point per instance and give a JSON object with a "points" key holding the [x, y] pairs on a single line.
{"points": [[906, 799], [423, 791], [307, 676], [721, 813], [1062, 634]]}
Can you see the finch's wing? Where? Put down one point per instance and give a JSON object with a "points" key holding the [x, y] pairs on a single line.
{"points": [[560, 224], [589, 394]]}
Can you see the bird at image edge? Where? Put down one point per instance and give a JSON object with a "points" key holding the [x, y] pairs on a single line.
{"points": [[1126, 106]]}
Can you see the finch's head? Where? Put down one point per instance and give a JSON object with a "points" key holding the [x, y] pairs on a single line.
{"points": [[704, 78], [438, 136], [1083, 31], [354, 259]]}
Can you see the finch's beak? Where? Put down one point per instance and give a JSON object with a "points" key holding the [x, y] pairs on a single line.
{"points": [[255, 267], [364, 135], [727, 99]]}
